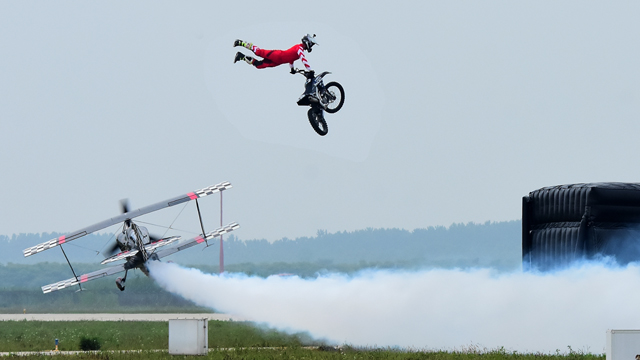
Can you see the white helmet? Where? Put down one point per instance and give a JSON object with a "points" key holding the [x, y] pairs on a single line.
{"points": [[308, 41]]}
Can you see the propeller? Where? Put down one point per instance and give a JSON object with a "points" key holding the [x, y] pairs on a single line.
{"points": [[114, 248], [124, 205], [111, 250]]}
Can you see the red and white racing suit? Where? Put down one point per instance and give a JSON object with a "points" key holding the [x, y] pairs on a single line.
{"points": [[271, 58]]}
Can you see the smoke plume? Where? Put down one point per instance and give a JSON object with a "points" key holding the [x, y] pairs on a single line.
{"points": [[432, 309]]}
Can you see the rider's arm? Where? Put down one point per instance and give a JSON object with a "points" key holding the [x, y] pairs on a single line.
{"points": [[303, 59]]}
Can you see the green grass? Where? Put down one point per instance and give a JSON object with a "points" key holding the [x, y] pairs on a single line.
{"points": [[291, 353], [132, 335], [227, 340]]}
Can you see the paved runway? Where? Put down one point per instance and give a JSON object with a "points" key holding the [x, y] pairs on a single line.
{"points": [[116, 317]]}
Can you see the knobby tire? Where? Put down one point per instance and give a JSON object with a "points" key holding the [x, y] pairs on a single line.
{"points": [[338, 89], [317, 121]]}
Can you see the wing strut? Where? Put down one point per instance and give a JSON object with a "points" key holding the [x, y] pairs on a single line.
{"points": [[74, 273], [202, 226]]}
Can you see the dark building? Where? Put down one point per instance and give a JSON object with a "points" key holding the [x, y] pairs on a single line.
{"points": [[565, 223]]}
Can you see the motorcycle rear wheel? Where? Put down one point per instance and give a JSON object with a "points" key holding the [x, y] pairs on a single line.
{"points": [[317, 121], [333, 97]]}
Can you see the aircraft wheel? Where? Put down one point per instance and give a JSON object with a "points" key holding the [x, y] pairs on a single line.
{"points": [[120, 284]]}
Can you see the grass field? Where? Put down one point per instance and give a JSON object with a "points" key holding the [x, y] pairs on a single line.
{"points": [[133, 335], [290, 353], [227, 340]]}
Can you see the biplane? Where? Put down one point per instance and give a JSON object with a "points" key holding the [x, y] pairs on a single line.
{"points": [[134, 242]]}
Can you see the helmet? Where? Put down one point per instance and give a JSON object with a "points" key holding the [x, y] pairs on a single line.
{"points": [[308, 41]]}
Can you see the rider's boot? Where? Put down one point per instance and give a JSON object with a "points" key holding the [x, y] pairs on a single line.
{"points": [[240, 56], [243, 44]]}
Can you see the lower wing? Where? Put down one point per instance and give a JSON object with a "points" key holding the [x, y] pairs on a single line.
{"points": [[148, 248], [197, 240], [83, 278]]}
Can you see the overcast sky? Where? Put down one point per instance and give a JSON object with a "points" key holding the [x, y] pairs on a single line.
{"points": [[454, 110]]}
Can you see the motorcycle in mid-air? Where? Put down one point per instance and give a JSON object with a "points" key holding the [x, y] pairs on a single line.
{"points": [[320, 98]]}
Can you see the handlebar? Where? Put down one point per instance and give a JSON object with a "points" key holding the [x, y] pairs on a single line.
{"points": [[306, 73]]}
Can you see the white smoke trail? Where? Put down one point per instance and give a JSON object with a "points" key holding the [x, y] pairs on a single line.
{"points": [[434, 309]]}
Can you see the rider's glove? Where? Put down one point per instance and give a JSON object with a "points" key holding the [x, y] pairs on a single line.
{"points": [[293, 71]]}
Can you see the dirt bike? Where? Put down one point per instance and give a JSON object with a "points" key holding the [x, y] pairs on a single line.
{"points": [[320, 98]]}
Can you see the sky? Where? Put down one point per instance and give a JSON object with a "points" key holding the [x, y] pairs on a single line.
{"points": [[453, 110]]}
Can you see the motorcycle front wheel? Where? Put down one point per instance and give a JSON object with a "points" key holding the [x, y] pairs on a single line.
{"points": [[333, 97], [317, 121]]}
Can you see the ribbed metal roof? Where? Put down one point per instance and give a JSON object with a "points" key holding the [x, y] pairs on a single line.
{"points": [[599, 185]]}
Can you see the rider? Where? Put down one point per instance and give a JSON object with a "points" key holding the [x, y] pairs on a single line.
{"points": [[271, 58]]}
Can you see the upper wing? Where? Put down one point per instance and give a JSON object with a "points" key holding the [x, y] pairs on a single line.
{"points": [[197, 240], [126, 216], [83, 278]]}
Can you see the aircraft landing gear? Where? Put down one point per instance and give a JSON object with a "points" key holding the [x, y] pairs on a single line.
{"points": [[120, 281]]}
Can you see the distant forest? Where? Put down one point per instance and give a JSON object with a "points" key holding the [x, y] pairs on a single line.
{"points": [[492, 244]]}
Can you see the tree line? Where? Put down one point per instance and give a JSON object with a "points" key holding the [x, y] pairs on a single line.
{"points": [[495, 245], [491, 244]]}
